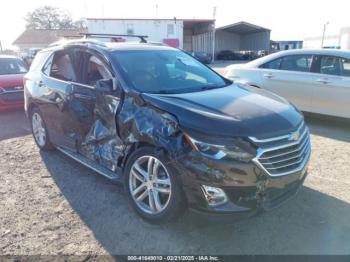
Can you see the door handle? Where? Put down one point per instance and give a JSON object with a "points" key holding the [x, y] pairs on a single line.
{"points": [[84, 97], [323, 80], [268, 75]]}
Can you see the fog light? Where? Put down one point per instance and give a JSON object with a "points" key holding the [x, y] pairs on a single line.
{"points": [[215, 196]]}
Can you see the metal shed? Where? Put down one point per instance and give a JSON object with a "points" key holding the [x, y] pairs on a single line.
{"points": [[242, 36]]}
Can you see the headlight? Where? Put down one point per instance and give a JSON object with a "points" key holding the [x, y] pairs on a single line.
{"points": [[217, 151]]}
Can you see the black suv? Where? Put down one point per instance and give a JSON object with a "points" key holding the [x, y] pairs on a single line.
{"points": [[173, 131]]}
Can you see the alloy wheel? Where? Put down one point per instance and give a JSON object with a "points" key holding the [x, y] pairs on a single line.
{"points": [[38, 129], [150, 184]]}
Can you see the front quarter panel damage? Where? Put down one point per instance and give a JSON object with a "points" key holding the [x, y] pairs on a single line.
{"points": [[140, 122]]}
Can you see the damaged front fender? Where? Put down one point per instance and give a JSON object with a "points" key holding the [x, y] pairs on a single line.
{"points": [[138, 121]]}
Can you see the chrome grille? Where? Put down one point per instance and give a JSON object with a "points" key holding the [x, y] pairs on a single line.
{"points": [[282, 156]]}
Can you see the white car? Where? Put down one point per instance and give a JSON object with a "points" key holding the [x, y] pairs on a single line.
{"points": [[315, 81]]}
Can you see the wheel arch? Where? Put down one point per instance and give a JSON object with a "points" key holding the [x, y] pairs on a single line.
{"points": [[30, 108], [137, 145]]}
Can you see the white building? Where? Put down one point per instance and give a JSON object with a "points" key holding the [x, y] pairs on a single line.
{"points": [[344, 39], [188, 34], [341, 40], [175, 32]]}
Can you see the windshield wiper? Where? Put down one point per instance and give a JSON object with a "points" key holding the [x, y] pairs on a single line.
{"points": [[162, 92], [209, 87]]}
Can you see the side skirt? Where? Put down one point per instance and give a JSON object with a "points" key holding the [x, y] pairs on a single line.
{"points": [[114, 176]]}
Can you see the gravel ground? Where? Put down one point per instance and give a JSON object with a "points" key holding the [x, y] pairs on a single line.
{"points": [[53, 205]]}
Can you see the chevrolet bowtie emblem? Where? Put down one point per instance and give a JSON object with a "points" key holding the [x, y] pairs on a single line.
{"points": [[294, 136]]}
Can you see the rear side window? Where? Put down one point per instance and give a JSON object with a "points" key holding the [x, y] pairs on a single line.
{"points": [[300, 63], [62, 67], [332, 65], [39, 60]]}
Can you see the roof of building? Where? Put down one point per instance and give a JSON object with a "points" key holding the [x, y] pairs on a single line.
{"points": [[243, 28], [156, 19], [287, 41], [45, 36]]}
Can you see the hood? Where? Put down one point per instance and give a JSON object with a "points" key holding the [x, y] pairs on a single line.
{"points": [[236, 110], [11, 80]]}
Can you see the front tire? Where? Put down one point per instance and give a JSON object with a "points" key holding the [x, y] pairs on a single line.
{"points": [[153, 188], [39, 130]]}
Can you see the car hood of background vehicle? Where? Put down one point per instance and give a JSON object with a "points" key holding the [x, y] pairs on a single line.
{"points": [[230, 111], [11, 80]]}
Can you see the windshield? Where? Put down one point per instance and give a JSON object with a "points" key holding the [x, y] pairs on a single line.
{"points": [[11, 66], [166, 71]]}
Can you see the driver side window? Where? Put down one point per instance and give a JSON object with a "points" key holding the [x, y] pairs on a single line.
{"points": [[96, 70]]}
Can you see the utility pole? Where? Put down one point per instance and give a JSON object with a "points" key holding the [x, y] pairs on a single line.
{"points": [[213, 40], [324, 32], [156, 10], [1, 47]]}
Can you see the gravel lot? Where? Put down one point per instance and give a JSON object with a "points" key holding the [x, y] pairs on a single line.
{"points": [[53, 205]]}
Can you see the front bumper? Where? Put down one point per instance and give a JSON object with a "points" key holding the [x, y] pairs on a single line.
{"points": [[249, 189]]}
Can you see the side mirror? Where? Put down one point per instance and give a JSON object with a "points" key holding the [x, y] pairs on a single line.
{"points": [[107, 85]]}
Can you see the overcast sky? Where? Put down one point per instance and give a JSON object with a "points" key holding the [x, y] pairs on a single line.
{"points": [[288, 20]]}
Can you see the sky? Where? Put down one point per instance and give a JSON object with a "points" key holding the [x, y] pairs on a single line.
{"points": [[288, 20]]}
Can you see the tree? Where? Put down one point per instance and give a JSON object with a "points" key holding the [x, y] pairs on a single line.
{"points": [[80, 24], [48, 17]]}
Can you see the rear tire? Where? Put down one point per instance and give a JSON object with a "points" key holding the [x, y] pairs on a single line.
{"points": [[153, 188], [39, 130]]}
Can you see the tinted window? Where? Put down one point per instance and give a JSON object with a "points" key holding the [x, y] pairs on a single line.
{"points": [[165, 71], [332, 65], [96, 70], [300, 63], [62, 67], [274, 64], [39, 60], [11, 66]]}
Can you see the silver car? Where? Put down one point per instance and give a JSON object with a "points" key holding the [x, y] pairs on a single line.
{"points": [[315, 81]]}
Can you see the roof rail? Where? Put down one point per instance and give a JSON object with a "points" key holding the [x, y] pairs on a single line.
{"points": [[141, 37], [77, 41]]}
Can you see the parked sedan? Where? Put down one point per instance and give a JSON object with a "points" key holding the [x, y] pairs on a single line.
{"points": [[203, 57], [315, 81], [12, 70], [226, 55]]}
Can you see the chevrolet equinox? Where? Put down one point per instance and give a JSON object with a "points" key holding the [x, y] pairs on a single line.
{"points": [[173, 131]]}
